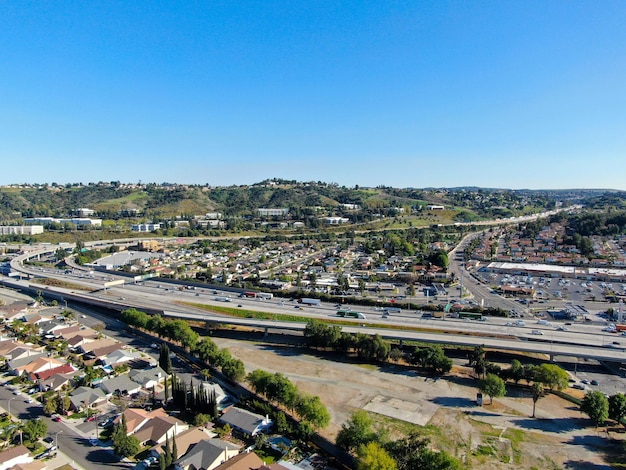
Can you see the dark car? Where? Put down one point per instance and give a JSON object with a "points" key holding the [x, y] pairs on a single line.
{"points": [[594, 382], [48, 439]]}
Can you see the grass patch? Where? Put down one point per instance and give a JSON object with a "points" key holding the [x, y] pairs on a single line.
{"points": [[57, 283]]}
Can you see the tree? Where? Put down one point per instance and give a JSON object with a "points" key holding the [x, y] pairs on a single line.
{"points": [[50, 406], [311, 409], [414, 452], [34, 429], [493, 386], [552, 376], [201, 420], [617, 407], [165, 361], [356, 432], [373, 457], [537, 391], [126, 446], [596, 406], [516, 371]]}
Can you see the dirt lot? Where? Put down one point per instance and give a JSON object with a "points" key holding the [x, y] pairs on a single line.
{"points": [[498, 435]]}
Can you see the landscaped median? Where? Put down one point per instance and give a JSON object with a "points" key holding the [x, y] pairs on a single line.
{"points": [[252, 314]]}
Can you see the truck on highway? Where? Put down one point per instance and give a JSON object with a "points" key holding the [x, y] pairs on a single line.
{"points": [[314, 302], [222, 299], [265, 296]]}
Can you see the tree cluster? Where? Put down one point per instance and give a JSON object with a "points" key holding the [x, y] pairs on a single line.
{"points": [[375, 450], [281, 391], [179, 331]]}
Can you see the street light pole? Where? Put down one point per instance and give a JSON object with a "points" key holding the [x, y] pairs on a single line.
{"points": [[56, 439], [9, 407]]}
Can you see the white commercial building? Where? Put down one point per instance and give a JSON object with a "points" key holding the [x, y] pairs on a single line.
{"points": [[21, 229]]}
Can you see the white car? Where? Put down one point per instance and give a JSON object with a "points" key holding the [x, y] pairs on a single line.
{"points": [[536, 332]]}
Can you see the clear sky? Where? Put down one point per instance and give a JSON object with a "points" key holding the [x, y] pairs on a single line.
{"points": [[514, 94]]}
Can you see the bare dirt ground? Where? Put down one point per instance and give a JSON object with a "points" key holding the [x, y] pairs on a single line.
{"points": [[498, 435]]}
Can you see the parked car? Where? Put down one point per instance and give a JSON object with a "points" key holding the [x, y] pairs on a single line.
{"points": [[56, 418], [90, 419]]}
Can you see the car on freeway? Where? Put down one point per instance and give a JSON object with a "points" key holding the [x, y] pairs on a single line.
{"points": [[536, 332], [578, 386], [595, 382], [562, 328], [585, 381], [83, 316], [239, 305]]}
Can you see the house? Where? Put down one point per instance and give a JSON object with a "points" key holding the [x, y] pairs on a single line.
{"points": [[151, 427], [71, 331], [245, 421], [39, 364], [185, 441], [245, 461], [18, 455], [148, 378], [56, 382], [157, 429], [120, 385], [120, 356], [98, 344], [14, 364], [12, 350], [46, 374], [211, 387], [85, 396], [207, 455]]}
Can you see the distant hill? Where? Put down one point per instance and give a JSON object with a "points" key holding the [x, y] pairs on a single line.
{"points": [[154, 201]]}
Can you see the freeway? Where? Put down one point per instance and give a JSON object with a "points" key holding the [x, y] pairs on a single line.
{"points": [[159, 296]]}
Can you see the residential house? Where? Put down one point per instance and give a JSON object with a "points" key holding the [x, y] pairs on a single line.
{"points": [[12, 350], [245, 461], [207, 455], [245, 421], [18, 455], [120, 356], [151, 427], [148, 378], [185, 441], [120, 385], [39, 364], [46, 374], [84, 397], [56, 382], [98, 344]]}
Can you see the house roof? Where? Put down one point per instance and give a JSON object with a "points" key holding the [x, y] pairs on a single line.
{"points": [[185, 440], [156, 428], [13, 452], [71, 331], [135, 417], [121, 383], [121, 355], [243, 420], [245, 461], [207, 453], [143, 376], [57, 380], [45, 374], [39, 363], [98, 344], [86, 394]]}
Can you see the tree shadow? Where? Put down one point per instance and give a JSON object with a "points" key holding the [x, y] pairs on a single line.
{"points": [[556, 426], [454, 402], [612, 451]]}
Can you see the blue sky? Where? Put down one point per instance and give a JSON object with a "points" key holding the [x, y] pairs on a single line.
{"points": [[526, 94]]}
